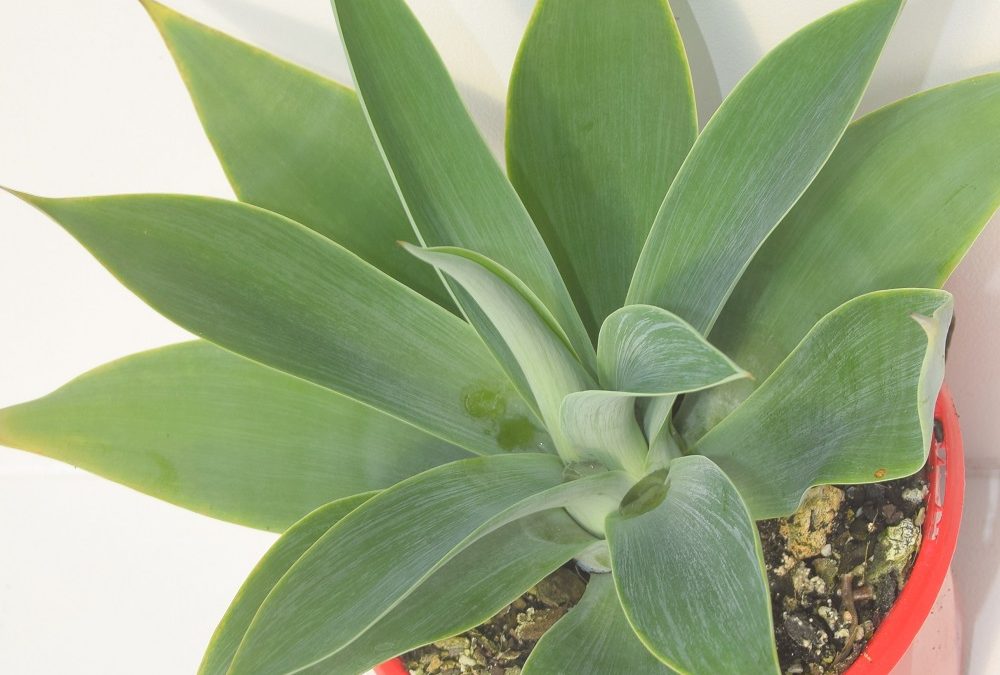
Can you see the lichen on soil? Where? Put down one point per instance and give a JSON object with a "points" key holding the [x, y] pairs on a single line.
{"points": [[834, 568]]}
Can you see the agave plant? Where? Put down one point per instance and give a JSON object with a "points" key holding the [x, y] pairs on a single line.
{"points": [[438, 425]]}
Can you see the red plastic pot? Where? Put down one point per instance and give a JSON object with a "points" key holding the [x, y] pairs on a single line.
{"points": [[946, 477]]}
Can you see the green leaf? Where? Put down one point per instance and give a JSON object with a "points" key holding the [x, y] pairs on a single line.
{"points": [[451, 186], [469, 589], [901, 200], [593, 639], [754, 159], [276, 292], [278, 559], [295, 143], [371, 560], [643, 351], [690, 575], [538, 347], [213, 432], [601, 426], [601, 114], [648, 351], [854, 403]]}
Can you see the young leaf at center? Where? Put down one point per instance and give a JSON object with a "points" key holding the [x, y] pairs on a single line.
{"points": [[643, 352]]}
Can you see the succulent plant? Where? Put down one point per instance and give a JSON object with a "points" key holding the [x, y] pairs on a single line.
{"points": [[625, 351]]}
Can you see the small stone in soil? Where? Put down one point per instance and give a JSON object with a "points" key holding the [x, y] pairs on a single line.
{"points": [[561, 589], [808, 530], [915, 495], [829, 614], [531, 626], [826, 569], [805, 583], [896, 547], [803, 632], [891, 514]]}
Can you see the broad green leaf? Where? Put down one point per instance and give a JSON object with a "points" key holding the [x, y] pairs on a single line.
{"points": [[276, 292], [469, 589], [208, 430], [690, 575], [371, 560], [295, 143], [595, 638], [278, 559], [901, 200], [648, 351], [601, 114], [451, 186], [601, 426], [854, 403], [537, 344], [754, 159], [642, 352]]}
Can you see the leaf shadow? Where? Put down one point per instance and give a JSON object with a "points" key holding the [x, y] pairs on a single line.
{"points": [[318, 48], [706, 67], [909, 53]]}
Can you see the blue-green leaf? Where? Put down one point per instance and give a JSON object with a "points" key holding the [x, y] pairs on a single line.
{"points": [[453, 190], [469, 589], [373, 559], [593, 639], [536, 344], [642, 352], [907, 191], [854, 403], [602, 427], [295, 143], [648, 351], [754, 159], [213, 432], [278, 559], [276, 292], [601, 114], [691, 570]]}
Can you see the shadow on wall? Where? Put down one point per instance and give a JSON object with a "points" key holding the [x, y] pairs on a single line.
{"points": [[727, 18], [296, 36], [977, 566], [909, 54], [973, 365], [291, 35]]}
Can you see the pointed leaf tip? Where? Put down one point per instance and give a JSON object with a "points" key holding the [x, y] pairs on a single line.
{"points": [[791, 109], [158, 12], [23, 196], [155, 9], [5, 435]]}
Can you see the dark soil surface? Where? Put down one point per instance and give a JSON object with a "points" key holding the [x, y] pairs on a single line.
{"points": [[501, 645], [835, 568]]}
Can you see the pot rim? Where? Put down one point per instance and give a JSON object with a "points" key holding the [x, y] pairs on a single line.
{"points": [[946, 480]]}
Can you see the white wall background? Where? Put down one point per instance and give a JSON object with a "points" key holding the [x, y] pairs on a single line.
{"points": [[96, 579]]}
